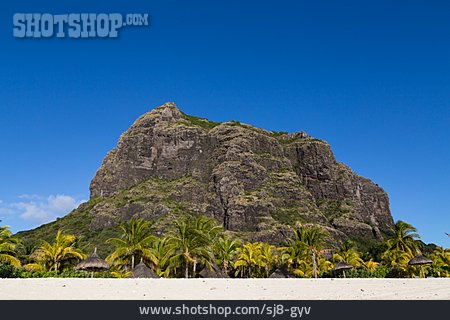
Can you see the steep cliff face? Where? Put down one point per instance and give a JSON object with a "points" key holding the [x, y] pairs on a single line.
{"points": [[255, 182]]}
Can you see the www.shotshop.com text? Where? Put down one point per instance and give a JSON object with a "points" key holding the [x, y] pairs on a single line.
{"points": [[268, 310]]}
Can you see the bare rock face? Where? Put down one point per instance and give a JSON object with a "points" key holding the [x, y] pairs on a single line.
{"points": [[255, 182]]}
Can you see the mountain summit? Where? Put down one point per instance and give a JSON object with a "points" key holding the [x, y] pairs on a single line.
{"points": [[249, 179], [253, 181]]}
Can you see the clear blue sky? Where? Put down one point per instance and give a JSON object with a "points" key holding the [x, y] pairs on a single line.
{"points": [[370, 77]]}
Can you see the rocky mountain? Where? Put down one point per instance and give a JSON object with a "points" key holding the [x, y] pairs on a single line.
{"points": [[253, 181]]}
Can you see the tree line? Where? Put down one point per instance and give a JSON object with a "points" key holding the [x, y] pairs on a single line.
{"points": [[198, 242]]}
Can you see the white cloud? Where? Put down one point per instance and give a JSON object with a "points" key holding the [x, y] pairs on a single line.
{"points": [[41, 209], [62, 203], [32, 211]]}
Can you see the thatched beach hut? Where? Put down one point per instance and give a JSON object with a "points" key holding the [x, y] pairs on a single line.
{"points": [[281, 273], [214, 272], [342, 266], [93, 264], [142, 271], [420, 261]]}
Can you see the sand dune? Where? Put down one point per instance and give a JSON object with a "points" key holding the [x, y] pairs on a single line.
{"points": [[224, 289]]}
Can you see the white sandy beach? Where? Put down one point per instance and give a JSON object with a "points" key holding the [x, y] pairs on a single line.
{"points": [[224, 289]]}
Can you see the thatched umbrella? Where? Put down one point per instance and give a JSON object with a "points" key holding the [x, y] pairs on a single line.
{"points": [[342, 265], [93, 264], [420, 261], [214, 272], [142, 271], [281, 273]]}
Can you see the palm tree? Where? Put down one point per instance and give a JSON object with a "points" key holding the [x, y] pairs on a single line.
{"points": [[311, 239], [441, 256], [57, 256], [182, 239], [347, 254], [298, 261], [163, 251], [398, 259], [249, 259], [292, 254], [404, 239], [193, 239], [371, 265], [133, 244], [207, 232], [324, 265], [225, 250], [296, 258], [269, 257], [8, 247], [303, 269], [441, 261], [402, 247]]}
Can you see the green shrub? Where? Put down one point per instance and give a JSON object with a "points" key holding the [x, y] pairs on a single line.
{"points": [[380, 272], [438, 272], [276, 134], [201, 122], [55, 274], [8, 271], [63, 274]]}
